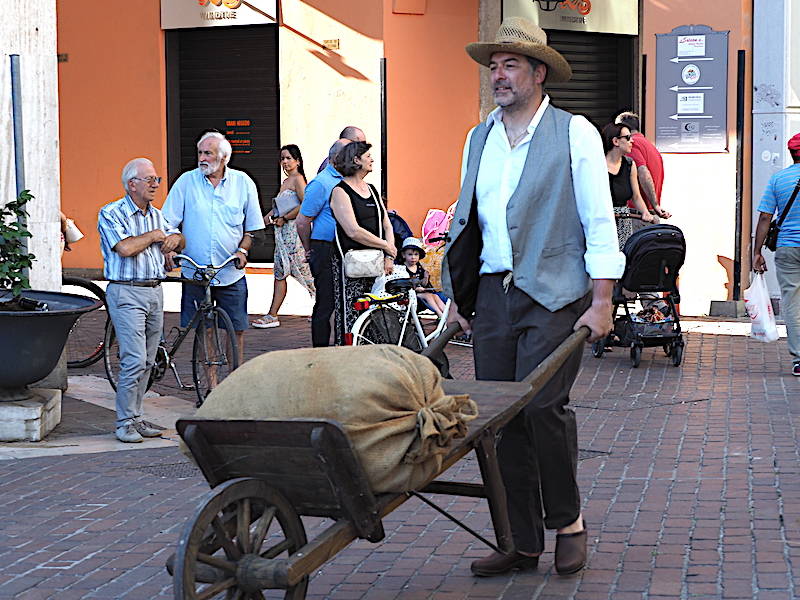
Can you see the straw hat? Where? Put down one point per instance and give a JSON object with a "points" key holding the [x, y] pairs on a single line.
{"points": [[520, 36]]}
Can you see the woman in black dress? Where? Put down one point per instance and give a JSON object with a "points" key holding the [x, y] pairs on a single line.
{"points": [[361, 222], [623, 179]]}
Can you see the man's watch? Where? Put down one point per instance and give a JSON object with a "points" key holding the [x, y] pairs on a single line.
{"points": [[242, 250]]}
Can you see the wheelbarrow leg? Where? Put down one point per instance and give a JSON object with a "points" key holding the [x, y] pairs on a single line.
{"points": [[495, 490]]}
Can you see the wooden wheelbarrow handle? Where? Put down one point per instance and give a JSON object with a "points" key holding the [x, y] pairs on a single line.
{"points": [[435, 348], [548, 367]]}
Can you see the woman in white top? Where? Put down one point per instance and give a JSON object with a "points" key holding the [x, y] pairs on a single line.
{"points": [[289, 253]]}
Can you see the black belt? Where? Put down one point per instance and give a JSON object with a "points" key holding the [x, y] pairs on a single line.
{"points": [[325, 242], [140, 282]]}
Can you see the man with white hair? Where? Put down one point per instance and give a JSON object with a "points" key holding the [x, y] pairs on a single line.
{"points": [[135, 241], [216, 209]]}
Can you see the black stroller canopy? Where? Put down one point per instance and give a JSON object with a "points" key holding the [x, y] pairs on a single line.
{"points": [[654, 256]]}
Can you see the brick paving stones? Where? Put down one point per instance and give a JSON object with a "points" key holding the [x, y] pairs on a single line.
{"points": [[690, 480]]}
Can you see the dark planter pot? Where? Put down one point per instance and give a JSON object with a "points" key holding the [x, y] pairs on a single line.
{"points": [[31, 342]]}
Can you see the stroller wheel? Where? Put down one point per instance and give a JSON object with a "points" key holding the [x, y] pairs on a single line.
{"points": [[636, 356], [677, 354], [667, 349], [598, 348]]}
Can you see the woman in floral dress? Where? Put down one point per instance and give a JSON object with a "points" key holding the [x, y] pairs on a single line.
{"points": [[289, 254]]}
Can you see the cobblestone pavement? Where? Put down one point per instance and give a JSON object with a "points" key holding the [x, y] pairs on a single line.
{"points": [[689, 475]]}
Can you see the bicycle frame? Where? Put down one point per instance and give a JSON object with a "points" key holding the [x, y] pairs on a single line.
{"points": [[166, 353], [409, 315]]}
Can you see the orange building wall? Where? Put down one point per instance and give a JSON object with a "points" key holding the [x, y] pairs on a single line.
{"points": [[432, 97], [111, 107]]}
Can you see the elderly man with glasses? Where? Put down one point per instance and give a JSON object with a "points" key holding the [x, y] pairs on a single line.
{"points": [[136, 242]]}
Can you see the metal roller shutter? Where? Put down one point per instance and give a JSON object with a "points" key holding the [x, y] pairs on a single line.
{"points": [[602, 74], [226, 78]]}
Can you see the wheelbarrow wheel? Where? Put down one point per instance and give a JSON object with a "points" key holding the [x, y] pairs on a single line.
{"points": [[636, 355], [243, 522]]}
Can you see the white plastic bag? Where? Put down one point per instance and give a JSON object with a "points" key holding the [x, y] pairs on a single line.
{"points": [[759, 308]]}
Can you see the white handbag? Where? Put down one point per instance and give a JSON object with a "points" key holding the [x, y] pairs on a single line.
{"points": [[363, 263], [367, 262], [285, 203]]}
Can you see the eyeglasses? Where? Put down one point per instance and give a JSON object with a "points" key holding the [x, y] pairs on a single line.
{"points": [[150, 180], [625, 137]]}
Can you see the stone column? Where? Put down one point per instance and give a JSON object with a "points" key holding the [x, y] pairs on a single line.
{"points": [[488, 22], [29, 30], [776, 97]]}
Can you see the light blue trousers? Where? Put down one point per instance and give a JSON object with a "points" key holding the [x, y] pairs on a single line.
{"points": [[138, 317], [787, 265]]}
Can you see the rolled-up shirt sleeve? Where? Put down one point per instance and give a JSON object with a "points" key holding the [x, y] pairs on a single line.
{"points": [[593, 198]]}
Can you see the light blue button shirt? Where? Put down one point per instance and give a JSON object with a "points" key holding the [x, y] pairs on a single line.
{"points": [[213, 219]]}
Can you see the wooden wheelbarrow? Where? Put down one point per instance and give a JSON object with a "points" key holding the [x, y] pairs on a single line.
{"points": [[246, 538]]}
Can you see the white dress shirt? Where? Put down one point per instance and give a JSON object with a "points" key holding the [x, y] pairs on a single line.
{"points": [[499, 173]]}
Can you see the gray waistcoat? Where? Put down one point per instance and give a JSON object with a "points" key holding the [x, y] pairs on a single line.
{"points": [[547, 238]]}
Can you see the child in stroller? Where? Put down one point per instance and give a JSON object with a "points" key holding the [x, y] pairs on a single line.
{"points": [[654, 256]]}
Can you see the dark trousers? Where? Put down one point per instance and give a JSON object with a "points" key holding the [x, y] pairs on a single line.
{"points": [[538, 449], [322, 270]]}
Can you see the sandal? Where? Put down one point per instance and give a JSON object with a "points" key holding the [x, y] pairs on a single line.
{"points": [[266, 322]]}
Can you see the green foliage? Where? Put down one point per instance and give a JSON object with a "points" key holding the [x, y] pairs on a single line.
{"points": [[14, 258]]}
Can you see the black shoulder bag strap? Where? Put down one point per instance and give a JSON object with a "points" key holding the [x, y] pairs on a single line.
{"points": [[788, 205]]}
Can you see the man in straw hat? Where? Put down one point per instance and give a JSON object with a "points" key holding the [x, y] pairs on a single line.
{"points": [[532, 256]]}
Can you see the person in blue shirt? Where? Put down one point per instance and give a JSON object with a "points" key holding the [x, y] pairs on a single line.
{"points": [[216, 208], [318, 243], [136, 242], [780, 189], [352, 133]]}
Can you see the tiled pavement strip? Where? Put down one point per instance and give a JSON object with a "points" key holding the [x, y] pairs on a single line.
{"points": [[689, 477]]}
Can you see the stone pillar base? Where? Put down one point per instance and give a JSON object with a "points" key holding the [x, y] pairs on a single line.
{"points": [[32, 419]]}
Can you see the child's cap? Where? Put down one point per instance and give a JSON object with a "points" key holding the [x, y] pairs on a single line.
{"points": [[412, 243]]}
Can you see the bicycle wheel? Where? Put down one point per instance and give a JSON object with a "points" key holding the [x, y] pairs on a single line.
{"points": [[383, 326], [111, 358], [215, 353], [85, 342]]}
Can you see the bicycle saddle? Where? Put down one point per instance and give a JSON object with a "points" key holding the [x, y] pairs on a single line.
{"points": [[398, 286], [380, 297]]}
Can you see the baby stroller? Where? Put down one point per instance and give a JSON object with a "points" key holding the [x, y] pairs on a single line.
{"points": [[654, 255]]}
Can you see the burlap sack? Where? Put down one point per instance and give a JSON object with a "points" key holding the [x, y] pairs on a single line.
{"points": [[389, 400]]}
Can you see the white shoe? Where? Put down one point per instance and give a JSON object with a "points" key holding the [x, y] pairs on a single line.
{"points": [[127, 433], [266, 322]]}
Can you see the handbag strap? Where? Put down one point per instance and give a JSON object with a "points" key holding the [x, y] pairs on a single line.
{"points": [[788, 205], [378, 207]]}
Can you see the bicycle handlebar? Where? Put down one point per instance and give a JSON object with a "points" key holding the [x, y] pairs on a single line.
{"points": [[232, 257]]}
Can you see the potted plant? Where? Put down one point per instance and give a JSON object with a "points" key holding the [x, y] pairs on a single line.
{"points": [[33, 324]]}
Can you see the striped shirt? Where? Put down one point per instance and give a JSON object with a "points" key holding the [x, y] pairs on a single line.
{"points": [[123, 219], [776, 196]]}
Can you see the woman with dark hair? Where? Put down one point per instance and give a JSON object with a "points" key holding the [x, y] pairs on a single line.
{"points": [[361, 222], [289, 253], [623, 179]]}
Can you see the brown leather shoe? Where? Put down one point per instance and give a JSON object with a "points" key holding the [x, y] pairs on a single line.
{"points": [[571, 551], [498, 563]]}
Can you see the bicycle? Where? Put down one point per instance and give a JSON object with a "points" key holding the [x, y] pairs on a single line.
{"points": [[390, 317], [215, 353], [84, 346]]}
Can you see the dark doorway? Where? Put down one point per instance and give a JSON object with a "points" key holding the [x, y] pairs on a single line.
{"points": [[602, 81], [226, 78]]}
